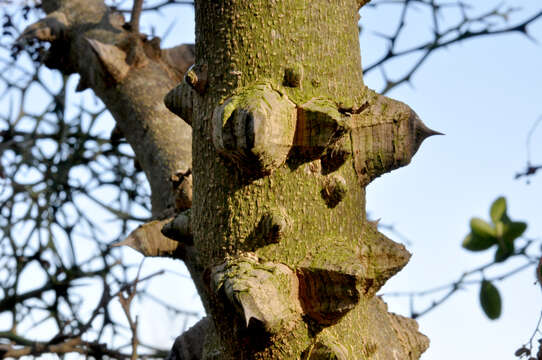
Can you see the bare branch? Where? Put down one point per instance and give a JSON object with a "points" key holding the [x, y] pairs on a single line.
{"points": [[136, 15]]}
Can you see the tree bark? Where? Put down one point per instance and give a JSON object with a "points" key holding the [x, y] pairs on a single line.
{"points": [[285, 137]]}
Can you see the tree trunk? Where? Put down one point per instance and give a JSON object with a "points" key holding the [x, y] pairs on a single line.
{"points": [[285, 137]]}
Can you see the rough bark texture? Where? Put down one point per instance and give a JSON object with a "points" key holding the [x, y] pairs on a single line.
{"points": [[285, 139]]}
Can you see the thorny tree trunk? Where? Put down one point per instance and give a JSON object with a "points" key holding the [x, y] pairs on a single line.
{"points": [[285, 139]]}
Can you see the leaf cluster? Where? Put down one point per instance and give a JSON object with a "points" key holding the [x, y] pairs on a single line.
{"points": [[501, 234]]}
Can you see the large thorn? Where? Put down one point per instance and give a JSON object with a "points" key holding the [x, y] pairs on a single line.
{"points": [[180, 229], [255, 128], [264, 294], [149, 240], [179, 101], [331, 288], [383, 257], [319, 126], [113, 58], [326, 295], [385, 136]]}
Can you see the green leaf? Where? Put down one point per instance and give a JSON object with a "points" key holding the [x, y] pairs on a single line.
{"points": [[513, 230], [481, 228], [473, 242], [490, 300], [498, 209], [504, 251], [499, 229]]}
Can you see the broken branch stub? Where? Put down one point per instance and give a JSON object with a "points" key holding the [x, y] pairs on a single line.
{"points": [[255, 128], [386, 135]]}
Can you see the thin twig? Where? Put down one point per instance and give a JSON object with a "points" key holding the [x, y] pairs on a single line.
{"points": [[136, 15]]}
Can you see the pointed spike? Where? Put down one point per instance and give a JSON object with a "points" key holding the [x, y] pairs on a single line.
{"points": [[265, 295], [247, 320], [129, 241], [250, 310], [434, 132], [422, 131], [148, 240]]}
